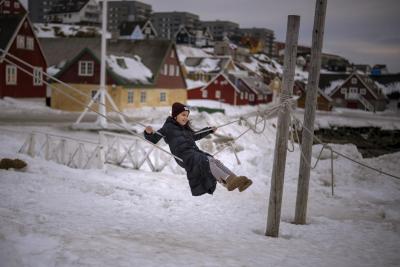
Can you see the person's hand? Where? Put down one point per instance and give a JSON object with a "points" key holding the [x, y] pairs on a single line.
{"points": [[149, 129]]}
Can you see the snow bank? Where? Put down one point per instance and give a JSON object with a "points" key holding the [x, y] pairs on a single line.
{"points": [[54, 215]]}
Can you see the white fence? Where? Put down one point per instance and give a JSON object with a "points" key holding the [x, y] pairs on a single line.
{"points": [[68, 151], [113, 148], [132, 152]]}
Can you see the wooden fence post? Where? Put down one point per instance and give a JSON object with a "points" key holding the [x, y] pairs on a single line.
{"points": [[309, 112], [282, 134]]}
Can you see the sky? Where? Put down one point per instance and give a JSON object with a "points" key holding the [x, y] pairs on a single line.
{"points": [[363, 31]]}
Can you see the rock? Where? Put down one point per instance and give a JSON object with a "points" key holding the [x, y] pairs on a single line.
{"points": [[17, 164]]}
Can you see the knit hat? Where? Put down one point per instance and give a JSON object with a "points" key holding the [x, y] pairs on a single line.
{"points": [[178, 108]]}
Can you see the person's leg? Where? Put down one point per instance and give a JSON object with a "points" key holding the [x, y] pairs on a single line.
{"points": [[226, 177], [219, 170]]}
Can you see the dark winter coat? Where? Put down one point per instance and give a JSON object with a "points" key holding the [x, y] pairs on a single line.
{"points": [[181, 141]]}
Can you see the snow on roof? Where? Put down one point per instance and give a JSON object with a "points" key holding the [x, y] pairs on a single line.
{"points": [[333, 84], [185, 51], [206, 65], [131, 69], [55, 30], [191, 84]]}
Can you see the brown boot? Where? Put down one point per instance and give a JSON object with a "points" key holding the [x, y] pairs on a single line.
{"points": [[233, 182], [245, 184]]}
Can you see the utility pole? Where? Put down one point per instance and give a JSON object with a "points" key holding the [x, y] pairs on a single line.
{"points": [[282, 134], [102, 96], [102, 93], [309, 112]]}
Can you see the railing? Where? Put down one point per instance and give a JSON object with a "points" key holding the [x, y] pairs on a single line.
{"points": [[356, 96], [68, 151], [368, 106], [131, 152]]}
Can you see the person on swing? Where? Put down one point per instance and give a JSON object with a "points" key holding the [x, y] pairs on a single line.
{"points": [[202, 169]]}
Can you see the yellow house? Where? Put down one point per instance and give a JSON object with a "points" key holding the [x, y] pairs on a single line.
{"points": [[143, 73]]}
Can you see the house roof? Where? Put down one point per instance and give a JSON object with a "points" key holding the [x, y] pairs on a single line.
{"points": [[226, 78], [368, 83], [207, 64], [68, 6], [151, 52], [256, 85], [126, 28], [8, 28], [302, 87]]}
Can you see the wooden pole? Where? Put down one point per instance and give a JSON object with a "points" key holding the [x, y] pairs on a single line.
{"points": [[282, 134], [309, 113]]}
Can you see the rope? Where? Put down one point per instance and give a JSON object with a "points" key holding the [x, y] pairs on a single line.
{"points": [[91, 109], [343, 155]]}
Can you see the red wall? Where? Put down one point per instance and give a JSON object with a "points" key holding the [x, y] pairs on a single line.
{"points": [[11, 9], [195, 93], [166, 81], [24, 86], [71, 75], [227, 92]]}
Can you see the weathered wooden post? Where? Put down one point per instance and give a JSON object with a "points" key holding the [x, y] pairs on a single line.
{"points": [[282, 134], [309, 113]]}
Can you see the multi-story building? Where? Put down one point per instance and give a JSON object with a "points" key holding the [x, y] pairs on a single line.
{"points": [[123, 11], [84, 12], [220, 29], [39, 8], [266, 36], [167, 24]]}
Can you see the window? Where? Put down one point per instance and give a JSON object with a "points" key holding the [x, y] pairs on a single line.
{"points": [[204, 94], [216, 82], [163, 97], [353, 80], [130, 96], [241, 95], [172, 54], [11, 75], [176, 70], [16, 5], [353, 90], [29, 43], [20, 41], [171, 70], [251, 97], [218, 94], [246, 95], [343, 90], [142, 97], [85, 68], [165, 69], [363, 91], [37, 76], [121, 62], [7, 3]]}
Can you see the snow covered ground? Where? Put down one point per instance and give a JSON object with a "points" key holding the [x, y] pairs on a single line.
{"points": [[52, 215]]}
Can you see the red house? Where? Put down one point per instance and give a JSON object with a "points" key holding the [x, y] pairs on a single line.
{"points": [[18, 38], [221, 88], [359, 92], [11, 7]]}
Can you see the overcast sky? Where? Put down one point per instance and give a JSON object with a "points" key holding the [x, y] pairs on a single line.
{"points": [[364, 31]]}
